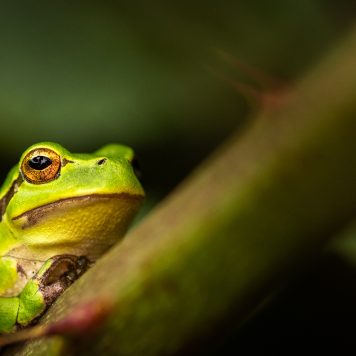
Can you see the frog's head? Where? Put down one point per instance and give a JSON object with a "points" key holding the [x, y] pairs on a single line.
{"points": [[58, 202]]}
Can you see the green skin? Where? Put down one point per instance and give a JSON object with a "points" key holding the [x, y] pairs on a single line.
{"points": [[50, 232]]}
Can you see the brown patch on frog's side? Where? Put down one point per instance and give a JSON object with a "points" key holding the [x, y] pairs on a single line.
{"points": [[4, 202], [20, 269], [33, 216]]}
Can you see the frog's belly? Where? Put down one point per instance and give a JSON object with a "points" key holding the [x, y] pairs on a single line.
{"points": [[25, 269]]}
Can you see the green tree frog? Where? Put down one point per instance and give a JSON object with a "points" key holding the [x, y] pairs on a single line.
{"points": [[59, 212]]}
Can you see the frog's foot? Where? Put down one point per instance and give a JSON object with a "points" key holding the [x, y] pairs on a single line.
{"points": [[56, 275], [60, 272]]}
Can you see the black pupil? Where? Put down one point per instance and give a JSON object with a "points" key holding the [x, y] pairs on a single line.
{"points": [[39, 162]]}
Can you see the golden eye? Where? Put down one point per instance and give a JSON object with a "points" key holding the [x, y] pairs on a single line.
{"points": [[41, 165]]}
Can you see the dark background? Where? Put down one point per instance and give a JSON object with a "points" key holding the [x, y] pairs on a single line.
{"points": [[152, 75]]}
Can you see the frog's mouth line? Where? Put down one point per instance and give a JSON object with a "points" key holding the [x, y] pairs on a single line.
{"points": [[33, 216]]}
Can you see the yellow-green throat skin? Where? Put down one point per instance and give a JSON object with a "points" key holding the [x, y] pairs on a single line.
{"points": [[56, 207]]}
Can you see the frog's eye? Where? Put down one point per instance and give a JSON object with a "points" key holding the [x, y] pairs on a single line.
{"points": [[41, 165]]}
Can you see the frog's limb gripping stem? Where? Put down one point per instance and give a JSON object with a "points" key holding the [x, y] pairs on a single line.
{"points": [[55, 275]]}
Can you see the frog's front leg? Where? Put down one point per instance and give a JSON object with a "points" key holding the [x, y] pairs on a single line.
{"points": [[51, 280]]}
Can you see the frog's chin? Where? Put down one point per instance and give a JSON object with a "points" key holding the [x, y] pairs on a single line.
{"points": [[82, 226]]}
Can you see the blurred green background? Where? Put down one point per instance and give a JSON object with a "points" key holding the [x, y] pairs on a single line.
{"points": [[146, 74], [86, 73]]}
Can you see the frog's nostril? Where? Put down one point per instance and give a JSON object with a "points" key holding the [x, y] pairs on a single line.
{"points": [[101, 161]]}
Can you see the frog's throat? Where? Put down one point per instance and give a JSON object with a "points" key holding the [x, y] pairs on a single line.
{"points": [[35, 215]]}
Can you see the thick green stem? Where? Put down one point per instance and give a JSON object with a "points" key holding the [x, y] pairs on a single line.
{"points": [[257, 208]]}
